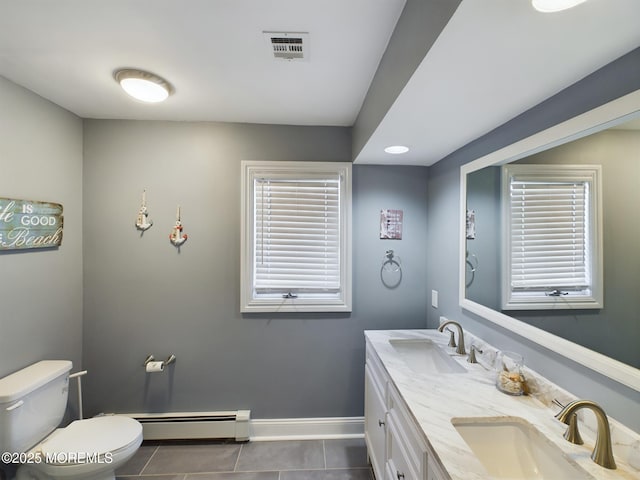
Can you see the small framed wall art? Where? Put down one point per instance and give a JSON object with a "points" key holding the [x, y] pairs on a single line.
{"points": [[391, 224]]}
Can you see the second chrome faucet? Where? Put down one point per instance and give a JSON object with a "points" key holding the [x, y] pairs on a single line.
{"points": [[602, 452], [460, 348]]}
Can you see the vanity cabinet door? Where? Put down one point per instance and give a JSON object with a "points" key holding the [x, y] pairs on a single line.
{"points": [[393, 472], [414, 446], [375, 417], [399, 465]]}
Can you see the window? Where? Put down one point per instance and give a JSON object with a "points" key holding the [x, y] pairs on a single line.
{"points": [[552, 232], [296, 237]]}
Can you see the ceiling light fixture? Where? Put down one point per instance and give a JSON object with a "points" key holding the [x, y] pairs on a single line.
{"points": [[143, 86], [396, 149], [549, 6]]}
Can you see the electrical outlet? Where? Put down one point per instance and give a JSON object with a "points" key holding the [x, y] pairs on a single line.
{"points": [[434, 298]]}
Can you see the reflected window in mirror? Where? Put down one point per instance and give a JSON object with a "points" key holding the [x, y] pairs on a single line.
{"points": [[551, 231], [602, 339]]}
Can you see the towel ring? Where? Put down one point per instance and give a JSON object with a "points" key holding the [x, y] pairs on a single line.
{"points": [[391, 270], [471, 268]]}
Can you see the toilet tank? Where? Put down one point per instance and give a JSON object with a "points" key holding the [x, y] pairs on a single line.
{"points": [[32, 403]]}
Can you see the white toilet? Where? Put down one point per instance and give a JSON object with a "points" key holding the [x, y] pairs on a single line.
{"points": [[32, 404]]}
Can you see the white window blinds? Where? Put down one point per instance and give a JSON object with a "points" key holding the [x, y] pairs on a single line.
{"points": [[297, 235], [552, 255], [549, 235]]}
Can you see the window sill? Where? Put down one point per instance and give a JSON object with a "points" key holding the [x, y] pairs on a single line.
{"points": [[552, 303], [294, 305]]}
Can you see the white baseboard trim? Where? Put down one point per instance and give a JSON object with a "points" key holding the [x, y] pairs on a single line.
{"points": [[306, 428]]}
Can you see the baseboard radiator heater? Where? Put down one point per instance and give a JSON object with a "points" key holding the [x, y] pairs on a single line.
{"points": [[194, 425]]}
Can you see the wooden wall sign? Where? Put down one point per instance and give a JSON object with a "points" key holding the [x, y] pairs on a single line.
{"points": [[29, 224]]}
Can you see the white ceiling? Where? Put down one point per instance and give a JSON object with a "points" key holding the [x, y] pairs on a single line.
{"points": [[212, 51], [494, 60]]}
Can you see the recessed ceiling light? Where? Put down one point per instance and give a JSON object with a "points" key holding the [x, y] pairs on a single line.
{"points": [[396, 149], [548, 6], [143, 86]]}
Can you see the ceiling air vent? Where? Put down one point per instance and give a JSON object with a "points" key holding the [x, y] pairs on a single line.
{"points": [[288, 45]]}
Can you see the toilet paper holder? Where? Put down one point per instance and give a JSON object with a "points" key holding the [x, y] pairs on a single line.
{"points": [[150, 358]]}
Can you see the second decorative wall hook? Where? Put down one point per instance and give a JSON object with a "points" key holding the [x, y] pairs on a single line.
{"points": [[143, 222], [176, 236]]}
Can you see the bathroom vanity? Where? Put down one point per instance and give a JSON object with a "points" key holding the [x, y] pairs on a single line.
{"points": [[396, 447], [431, 415]]}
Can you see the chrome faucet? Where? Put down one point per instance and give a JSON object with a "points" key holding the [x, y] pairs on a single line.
{"points": [[452, 340], [602, 452], [472, 354], [460, 348]]}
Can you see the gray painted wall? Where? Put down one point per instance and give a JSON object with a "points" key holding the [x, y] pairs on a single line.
{"points": [[143, 296], [41, 293], [616, 79], [483, 252]]}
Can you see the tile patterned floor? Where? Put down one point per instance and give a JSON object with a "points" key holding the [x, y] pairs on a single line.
{"points": [[278, 460]]}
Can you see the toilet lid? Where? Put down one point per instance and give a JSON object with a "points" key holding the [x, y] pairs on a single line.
{"points": [[94, 436]]}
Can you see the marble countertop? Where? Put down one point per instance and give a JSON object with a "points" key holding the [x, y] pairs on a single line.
{"points": [[435, 399]]}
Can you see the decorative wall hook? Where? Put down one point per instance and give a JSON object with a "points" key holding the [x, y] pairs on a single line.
{"points": [[143, 222], [176, 236]]}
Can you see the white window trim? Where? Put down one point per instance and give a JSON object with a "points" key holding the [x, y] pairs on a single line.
{"points": [[249, 302], [594, 300]]}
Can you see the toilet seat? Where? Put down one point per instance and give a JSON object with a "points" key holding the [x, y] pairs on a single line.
{"points": [[91, 438]]}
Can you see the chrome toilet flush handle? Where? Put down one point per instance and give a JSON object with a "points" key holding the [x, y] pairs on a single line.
{"points": [[18, 404]]}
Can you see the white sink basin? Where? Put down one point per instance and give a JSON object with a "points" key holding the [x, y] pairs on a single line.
{"points": [[512, 448], [425, 356]]}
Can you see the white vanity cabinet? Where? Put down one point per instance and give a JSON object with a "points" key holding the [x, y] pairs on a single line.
{"points": [[375, 413], [396, 448]]}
